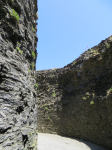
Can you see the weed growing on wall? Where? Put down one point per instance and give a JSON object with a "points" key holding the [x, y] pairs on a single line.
{"points": [[107, 45], [32, 65], [54, 94], [33, 54], [29, 70], [46, 108], [33, 29], [36, 85], [19, 50], [92, 102], [109, 91], [14, 14]]}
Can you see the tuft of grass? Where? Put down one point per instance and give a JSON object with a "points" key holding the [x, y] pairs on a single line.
{"points": [[48, 118], [19, 50], [36, 85], [29, 70], [46, 108], [14, 14], [107, 45], [54, 94], [33, 29], [32, 65], [74, 62], [33, 54], [84, 98], [109, 91], [56, 84], [92, 102]]}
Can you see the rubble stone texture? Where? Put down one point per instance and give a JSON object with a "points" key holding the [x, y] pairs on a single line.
{"points": [[76, 100], [18, 105]]}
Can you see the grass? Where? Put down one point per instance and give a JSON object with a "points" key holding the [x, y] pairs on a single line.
{"points": [[74, 62], [29, 70], [56, 84], [14, 14], [36, 85], [19, 50], [33, 54], [32, 65], [107, 45], [109, 91], [92, 102], [54, 94], [33, 29], [46, 108]]}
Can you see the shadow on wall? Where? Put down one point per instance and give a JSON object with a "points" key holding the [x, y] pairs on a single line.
{"points": [[75, 101]]}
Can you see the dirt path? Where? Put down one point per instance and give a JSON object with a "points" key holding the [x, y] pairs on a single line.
{"points": [[56, 142]]}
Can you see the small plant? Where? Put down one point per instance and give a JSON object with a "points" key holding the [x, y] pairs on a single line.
{"points": [[18, 43], [92, 102], [14, 14], [33, 54], [54, 94], [56, 84], [33, 29], [74, 62], [19, 50], [34, 76], [46, 108], [36, 85], [29, 70], [48, 118], [32, 65], [84, 98], [48, 90], [107, 45], [109, 91]]}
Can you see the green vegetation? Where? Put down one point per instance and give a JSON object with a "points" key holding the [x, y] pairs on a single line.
{"points": [[48, 90], [29, 70], [33, 29], [32, 65], [54, 94], [48, 118], [74, 62], [56, 84], [19, 50], [18, 43], [84, 98], [14, 14], [33, 54], [36, 85], [107, 45], [92, 102], [109, 91], [46, 108]]}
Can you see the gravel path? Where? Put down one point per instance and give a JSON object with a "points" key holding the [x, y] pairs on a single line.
{"points": [[56, 142]]}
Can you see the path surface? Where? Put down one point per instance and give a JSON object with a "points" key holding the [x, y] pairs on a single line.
{"points": [[56, 142]]}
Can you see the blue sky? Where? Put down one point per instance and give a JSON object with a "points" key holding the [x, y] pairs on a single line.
{"points": [[65, 29]]}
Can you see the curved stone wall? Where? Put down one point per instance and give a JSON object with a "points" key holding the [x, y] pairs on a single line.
{"points": [[18, 105], [76, 101]]}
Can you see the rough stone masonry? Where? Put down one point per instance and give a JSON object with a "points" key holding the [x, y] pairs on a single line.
{"points": [[76, 100], [18, 106]]}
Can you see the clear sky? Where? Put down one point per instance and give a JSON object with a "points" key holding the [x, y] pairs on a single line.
{"points": [[66, 27]]}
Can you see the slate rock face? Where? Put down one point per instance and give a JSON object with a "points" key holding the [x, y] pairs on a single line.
{"points": [[18, 106], [76, 100]]}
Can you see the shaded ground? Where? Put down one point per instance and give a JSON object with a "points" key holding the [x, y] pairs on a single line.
{"points": [[56, 142]]}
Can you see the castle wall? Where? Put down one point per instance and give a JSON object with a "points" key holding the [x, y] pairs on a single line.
{"points": [[76, 101], [18, 105]]}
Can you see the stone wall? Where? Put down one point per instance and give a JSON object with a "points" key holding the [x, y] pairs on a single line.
{"points": [[18, 105], [76, 101]]}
